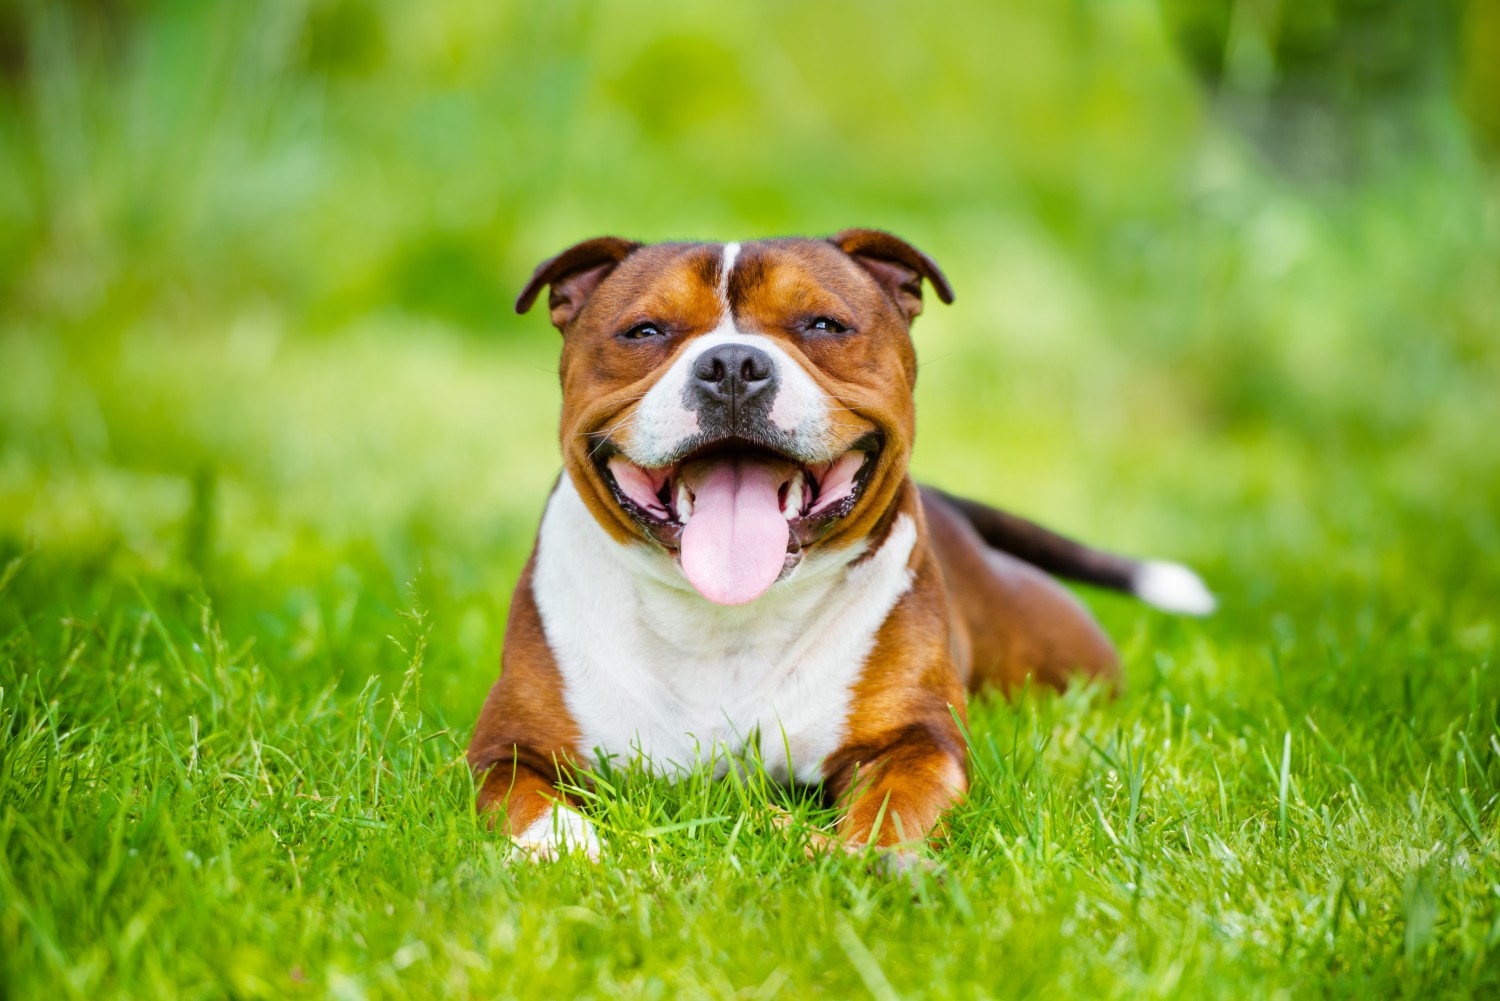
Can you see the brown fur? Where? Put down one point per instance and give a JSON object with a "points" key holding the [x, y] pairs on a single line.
{"points": [[525, 742], [973, 616]]}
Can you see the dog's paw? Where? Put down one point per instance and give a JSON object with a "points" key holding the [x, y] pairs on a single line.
{"points": [[557, 832], [814, 840], [906, 863]]}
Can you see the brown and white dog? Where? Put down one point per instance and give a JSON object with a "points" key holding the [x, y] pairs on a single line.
{"points": [[735, 560]]}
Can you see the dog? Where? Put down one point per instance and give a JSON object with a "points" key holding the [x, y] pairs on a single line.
{"points": [[735, 560]]}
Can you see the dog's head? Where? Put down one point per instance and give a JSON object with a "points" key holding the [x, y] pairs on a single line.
{"points": [[738, 405]]}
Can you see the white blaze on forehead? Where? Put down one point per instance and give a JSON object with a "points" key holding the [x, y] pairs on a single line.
{"points": [[664, 423], [731, 254]]}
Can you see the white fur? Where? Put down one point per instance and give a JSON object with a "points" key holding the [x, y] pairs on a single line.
{"points": [[649, 666], [1172, 587], [731, 253], [558, 831], [662, 423]]}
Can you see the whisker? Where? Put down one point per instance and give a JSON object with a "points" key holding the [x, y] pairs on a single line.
{"points": [[843, 403], [841, 399], [626, 421]]}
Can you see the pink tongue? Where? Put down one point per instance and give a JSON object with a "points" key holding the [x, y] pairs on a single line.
{"points": [[734, 545]]}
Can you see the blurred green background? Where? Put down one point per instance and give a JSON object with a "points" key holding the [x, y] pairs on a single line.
{"points": [[1228, 277], [1227, 272]]}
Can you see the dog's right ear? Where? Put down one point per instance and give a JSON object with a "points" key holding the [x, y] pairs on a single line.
{"points": [[573, 275]]}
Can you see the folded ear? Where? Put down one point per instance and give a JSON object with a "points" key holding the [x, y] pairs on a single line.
{"points": [[896, 265], [573, 275]]}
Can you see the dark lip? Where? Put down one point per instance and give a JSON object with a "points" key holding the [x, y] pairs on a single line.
{"points": [[803, 531]]}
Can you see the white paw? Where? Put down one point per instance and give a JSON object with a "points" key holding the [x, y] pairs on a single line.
{"points": [[557, 832]]}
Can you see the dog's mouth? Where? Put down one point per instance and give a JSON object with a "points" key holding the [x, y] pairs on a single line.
{"points": [[738, 514]]}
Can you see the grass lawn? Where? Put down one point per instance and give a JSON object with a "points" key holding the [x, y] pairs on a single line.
{"points": [[272, 454]]}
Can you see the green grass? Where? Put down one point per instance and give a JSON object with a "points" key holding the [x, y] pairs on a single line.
{"points": [[272, 452]]}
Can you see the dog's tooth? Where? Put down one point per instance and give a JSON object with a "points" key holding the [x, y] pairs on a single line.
{"points": [[791, 508], [684, 502]]}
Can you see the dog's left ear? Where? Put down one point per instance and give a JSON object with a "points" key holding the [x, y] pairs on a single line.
{"points": [[574, 274], [896, 265]]}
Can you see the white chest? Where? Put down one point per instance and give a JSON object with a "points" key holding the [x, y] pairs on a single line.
{"points": [[651, 668]]}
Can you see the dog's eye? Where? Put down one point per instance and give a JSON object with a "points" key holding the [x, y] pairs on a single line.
{"points": [[641, 331], [826, 325]]}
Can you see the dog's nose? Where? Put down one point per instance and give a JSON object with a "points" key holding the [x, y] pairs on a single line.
{"points": [[732, 373]]}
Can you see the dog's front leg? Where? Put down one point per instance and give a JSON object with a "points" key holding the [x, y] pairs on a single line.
{"points": [[894, 791], [526, 742], [525, 802], [903, 760]]}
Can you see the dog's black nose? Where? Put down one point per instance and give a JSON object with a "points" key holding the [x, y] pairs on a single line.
{"points": [[732, 374]]}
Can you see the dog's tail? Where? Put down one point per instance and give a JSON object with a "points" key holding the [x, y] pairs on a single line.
{"points": [[1169, 586]]}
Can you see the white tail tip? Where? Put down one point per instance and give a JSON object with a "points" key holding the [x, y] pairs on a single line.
{"points": [[1172, 587]]}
